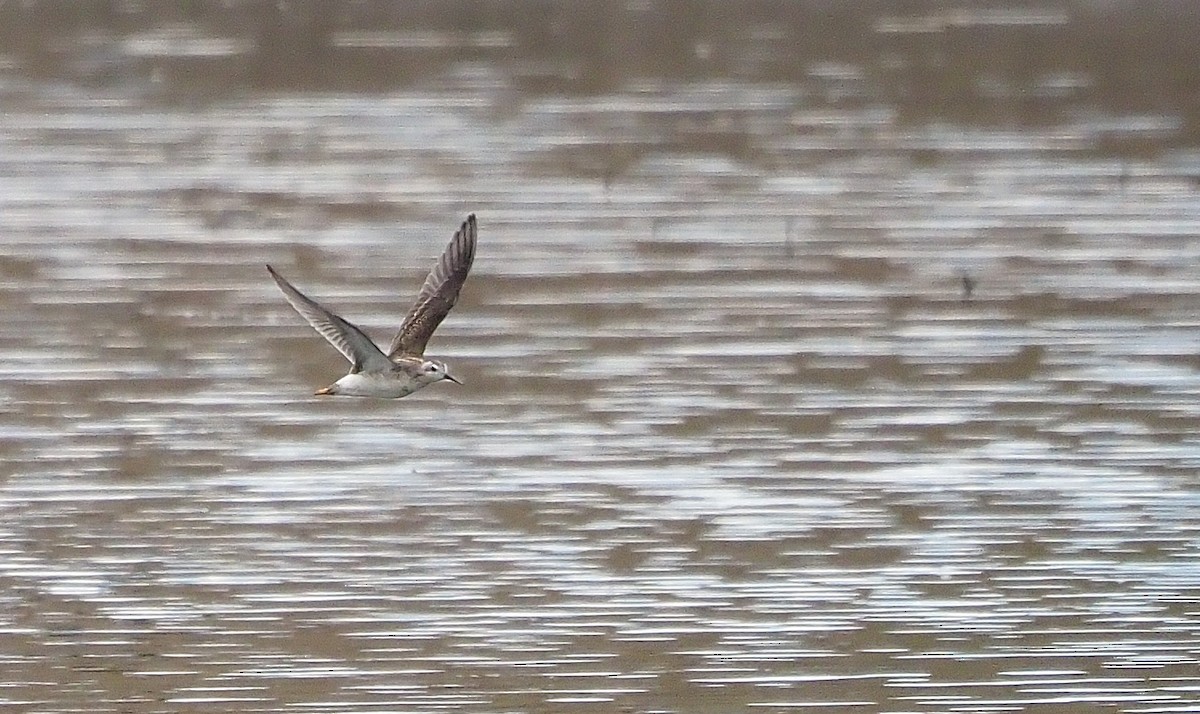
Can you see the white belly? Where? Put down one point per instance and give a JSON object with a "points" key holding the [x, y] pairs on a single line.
{"points": [[382, 386]]}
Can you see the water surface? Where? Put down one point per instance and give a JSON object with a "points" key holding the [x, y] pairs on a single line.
{"points": [[734, 436]]}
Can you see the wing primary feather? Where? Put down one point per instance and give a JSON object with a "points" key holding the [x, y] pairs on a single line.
{"points": [[439, 292], [351, 341]]}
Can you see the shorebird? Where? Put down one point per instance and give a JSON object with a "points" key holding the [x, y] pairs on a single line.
{"points": [[968, 284], [404, 369]]}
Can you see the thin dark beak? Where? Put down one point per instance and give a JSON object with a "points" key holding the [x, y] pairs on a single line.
{"points": [[452, 379]]}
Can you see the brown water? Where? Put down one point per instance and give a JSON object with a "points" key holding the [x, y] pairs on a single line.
{"points": [[732, 438]]}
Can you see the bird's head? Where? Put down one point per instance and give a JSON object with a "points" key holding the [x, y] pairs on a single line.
{"points": [[434, 371]]}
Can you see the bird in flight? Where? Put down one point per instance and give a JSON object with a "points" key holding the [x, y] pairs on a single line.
{"points": [[404, 368]]}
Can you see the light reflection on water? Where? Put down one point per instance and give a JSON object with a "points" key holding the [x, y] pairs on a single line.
{"points": [[731, 436]]}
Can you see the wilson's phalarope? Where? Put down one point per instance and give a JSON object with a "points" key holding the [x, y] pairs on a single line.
{"points": [[404, 369]]}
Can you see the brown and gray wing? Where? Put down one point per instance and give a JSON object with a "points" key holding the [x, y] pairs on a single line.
{"points": [[346, 337], [438, 294]]}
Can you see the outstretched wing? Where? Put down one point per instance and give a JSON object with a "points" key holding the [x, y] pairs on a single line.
{"points": [[438, 294], [347, 338]]}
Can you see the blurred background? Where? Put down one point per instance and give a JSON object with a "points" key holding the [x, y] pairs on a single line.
{"points": [[818, 356]]}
